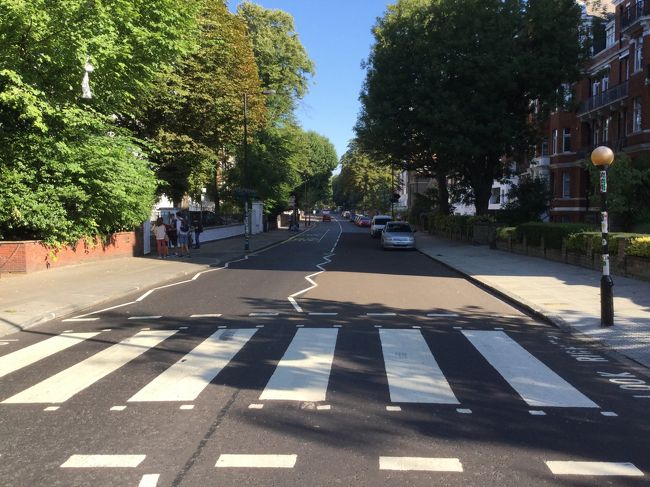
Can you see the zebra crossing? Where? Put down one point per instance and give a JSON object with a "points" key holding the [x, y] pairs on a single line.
{"points": [[412, 373]]}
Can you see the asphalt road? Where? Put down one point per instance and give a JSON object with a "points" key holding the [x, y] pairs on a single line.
{"points": [[320, 361]]}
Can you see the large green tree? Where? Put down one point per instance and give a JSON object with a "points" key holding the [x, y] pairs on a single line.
{"points": [[283, 63], [67, 169], [196, 119], [363, 184], [449, 84]]}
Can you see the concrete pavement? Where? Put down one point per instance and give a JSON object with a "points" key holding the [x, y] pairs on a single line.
{"points": [[566, 295]]}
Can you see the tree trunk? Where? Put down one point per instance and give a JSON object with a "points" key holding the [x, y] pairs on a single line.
{"points": [[443, 194]]}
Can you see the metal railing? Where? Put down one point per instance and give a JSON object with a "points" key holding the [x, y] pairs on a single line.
{"points": [[605, 98], [634, 12]]}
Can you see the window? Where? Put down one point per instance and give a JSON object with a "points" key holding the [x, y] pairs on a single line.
{"points": [[566, 185], [496, 196], [606, 124], [638, 55], [605, 83], [545, 147], [609, 36], [594, 88], [554, 141], [636, 120], [566, 140], [596, 132]]}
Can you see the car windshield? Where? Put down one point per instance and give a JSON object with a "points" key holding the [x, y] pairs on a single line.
{"points": [[381, 221], [398, 228]]}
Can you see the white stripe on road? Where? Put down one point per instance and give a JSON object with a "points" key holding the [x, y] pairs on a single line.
{"points": [[322, 314], [67, 383], [144, 317], [534, 382], [303, 373], [80, 319], [149, 480], [100, 461], [185, 380], [594, 468], [208, 315], [420, 464], [442, 315], [412, 372], [22, 358], [256, 461], [381, 314], [263, 314]]}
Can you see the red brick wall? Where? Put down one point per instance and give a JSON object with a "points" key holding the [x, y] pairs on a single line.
{"points": [[32, 256]]}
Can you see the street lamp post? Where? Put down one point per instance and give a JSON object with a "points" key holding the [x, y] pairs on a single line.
{"points": [[246, 190], [603, 157]]}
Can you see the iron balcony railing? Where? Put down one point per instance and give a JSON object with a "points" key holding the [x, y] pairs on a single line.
{"points": [[634, 12], [603, 99]]}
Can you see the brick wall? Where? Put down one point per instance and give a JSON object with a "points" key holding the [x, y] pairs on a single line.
{"points": [[33, 255]]}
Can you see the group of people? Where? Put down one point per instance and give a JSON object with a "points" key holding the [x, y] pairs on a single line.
{"points": [[176, 236]]}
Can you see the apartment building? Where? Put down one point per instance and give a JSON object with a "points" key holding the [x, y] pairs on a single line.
{"points": [[613, 108]]}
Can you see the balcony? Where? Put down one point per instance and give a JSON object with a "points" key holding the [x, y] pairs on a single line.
{"points": [[633, 12], [604, 99]]}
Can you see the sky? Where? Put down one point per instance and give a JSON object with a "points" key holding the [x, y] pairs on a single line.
{"points": [[337, 37]]}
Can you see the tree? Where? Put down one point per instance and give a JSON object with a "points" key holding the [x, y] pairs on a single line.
{"points": [[628, 190], [196, 120], [528, 201], [67, 169], [363, 183], [458, 104], [282, 61]]}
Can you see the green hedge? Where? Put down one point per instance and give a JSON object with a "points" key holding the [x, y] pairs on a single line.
{"points": [[553, 233], [639, 247], [583, 241], [453, 224]]}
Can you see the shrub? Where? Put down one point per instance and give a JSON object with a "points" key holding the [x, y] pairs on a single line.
{"points": [[552, 233], [581, 242], [504, 233], [639, 246]]}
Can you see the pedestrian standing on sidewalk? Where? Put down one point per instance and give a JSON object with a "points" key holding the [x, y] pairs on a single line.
{"points": [[198, 228], [172, 234], [183, 236], [160, 232]]}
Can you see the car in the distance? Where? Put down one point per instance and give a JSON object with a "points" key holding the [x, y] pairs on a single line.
{"points": [[363, 221], [377, 224], [397, 235], [327, 217]]}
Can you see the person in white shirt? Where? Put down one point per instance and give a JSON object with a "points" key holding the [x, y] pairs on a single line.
{"points": [[160, 232]]}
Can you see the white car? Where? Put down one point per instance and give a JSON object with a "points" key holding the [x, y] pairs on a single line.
{"points": [[397, 235], [377, 224]]}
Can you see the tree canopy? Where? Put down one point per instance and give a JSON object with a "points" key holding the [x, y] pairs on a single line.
{"points": [[449, 84]]}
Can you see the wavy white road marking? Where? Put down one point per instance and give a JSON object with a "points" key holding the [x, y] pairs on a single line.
{"points": [[320, 265]]}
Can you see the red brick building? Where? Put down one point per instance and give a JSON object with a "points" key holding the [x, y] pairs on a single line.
{"points": [[613, 109]]}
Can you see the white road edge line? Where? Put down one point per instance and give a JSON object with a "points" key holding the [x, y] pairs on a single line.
{"points": [[101, 461], [309, 279], [256, 461]]}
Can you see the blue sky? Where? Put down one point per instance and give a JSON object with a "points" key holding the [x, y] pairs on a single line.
{"points": [[337, 37]]}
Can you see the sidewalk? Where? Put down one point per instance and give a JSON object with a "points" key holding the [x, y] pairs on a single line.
{"points": [[26, 300], [566, 295]]}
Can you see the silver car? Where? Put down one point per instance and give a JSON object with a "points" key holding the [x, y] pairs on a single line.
{"points": [[397, 235]]}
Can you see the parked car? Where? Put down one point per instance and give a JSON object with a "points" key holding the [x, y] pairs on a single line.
{"points": [[327, 217], [377, 224], [363, 221], [346, 214], [397, 235]]}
